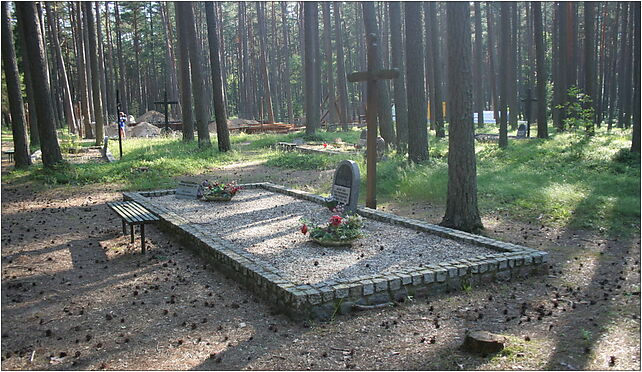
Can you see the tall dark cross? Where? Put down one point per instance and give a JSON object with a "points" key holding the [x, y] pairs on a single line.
{"points": [[371, 76], [528, 104], [166, 103]]}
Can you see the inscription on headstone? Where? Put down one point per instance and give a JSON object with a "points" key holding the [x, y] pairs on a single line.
{"points": [[187, 190], [345, 187]]}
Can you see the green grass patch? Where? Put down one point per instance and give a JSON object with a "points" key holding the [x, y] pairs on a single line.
{"points": [[146, 164]]}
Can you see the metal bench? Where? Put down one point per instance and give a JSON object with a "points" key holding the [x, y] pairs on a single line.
{"points": [[133, 214]]}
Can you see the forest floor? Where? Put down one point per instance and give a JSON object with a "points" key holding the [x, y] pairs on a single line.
{"points": [[77, 295]]}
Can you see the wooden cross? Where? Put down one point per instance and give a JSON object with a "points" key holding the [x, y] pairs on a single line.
{"points": [[166, 103], [371, 76]]}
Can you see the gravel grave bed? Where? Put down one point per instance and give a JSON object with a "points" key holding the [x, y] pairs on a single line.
{"points": [[267, 224]]}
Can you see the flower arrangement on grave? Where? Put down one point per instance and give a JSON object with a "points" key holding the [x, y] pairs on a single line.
{"points": [[338, 231], [217, 191]]}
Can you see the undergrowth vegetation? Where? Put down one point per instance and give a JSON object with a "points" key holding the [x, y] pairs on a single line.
{"points": [[571, 179]]}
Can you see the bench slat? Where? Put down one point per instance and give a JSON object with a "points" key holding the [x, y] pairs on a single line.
{"points": [[144, 212], [132, 212], [124, 213]]}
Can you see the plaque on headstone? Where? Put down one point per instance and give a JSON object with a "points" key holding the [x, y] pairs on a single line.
{"points": [[521, 131], [345, 187], [187, 190]]}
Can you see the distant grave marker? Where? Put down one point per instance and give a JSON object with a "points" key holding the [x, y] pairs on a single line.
{"points": [[521, 131], [345, 187], [187, 190]]}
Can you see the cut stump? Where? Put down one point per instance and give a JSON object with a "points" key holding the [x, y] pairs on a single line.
{"points": [[483, 342]]}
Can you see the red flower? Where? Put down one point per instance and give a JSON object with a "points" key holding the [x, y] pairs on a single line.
{"points": [[304, 229], [335, 220], [325, 145]]}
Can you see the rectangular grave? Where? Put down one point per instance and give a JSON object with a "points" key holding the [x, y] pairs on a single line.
{"points": [[256, 239]]}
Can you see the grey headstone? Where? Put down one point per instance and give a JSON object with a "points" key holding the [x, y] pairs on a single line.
{"points": [[345, 187], [187, 190], [521, 131]]}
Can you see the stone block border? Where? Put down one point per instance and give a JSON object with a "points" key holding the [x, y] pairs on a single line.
{"points": [[326, 299]]}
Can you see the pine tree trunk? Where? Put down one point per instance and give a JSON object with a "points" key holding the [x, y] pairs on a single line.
{"points": [[198, 89], [477, 67], [491, 61], [561, 85], [635, 142], [87, 50], [35, 51], [170, 64], [397, 54], [542, 125], [416, 93], [342, 82], [331, 118], [184, 81], [14, 95], [122, 75], [384, 112], [513, 75], [95, 75], [505, 63], [461, 202], [66, 92], [589, 62], [287, 74], [267, 93], [436, 66], [222, 132], [312, 86], [31, 112]]}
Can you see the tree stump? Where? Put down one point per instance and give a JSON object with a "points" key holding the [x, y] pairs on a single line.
{"points": [[483, 342]]}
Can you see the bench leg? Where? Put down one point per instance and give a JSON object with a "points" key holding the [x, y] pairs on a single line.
{"points": [[131, 230], [124, 228], [142, 237]]}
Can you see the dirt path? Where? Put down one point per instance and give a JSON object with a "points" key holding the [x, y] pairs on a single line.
{"points": [[77, 295]]}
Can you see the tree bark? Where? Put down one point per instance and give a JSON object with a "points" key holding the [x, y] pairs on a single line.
{"points": [[312, 86], [589, 61], [342, 82], [267, 93], [122, 76], [31, 114], [287, 74], [184, 78], [491, 61], [198, 88], [477, 67], [384, 112], [35, 50], [14, 95], [513, 74], [416, 93], [222, 132], [397, 55], [505, 65], [66, 92], [95, 75], [542, 125], [461, 203], [436, 66], [329, 73], [635, 141]]}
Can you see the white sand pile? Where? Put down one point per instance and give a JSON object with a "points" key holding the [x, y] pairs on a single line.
{"points": [[145, 130]]}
